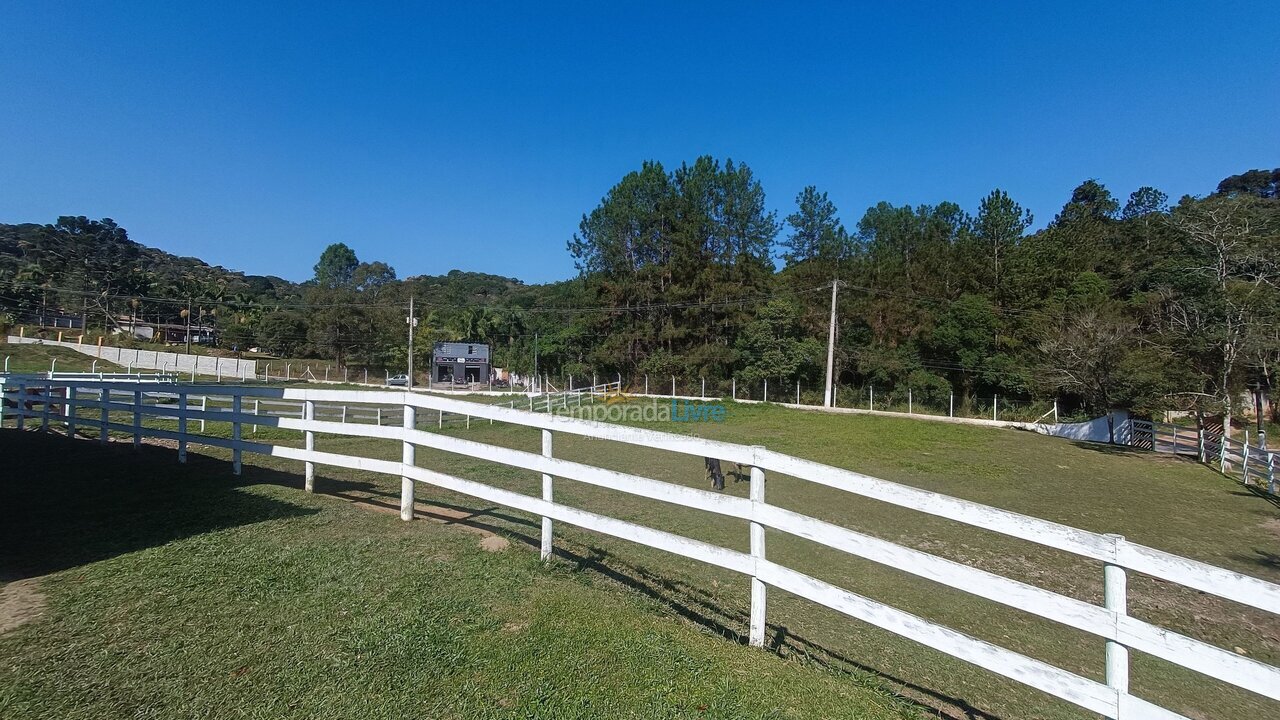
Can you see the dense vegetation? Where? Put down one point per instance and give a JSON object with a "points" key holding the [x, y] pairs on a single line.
{"points": [[1137, 304]]}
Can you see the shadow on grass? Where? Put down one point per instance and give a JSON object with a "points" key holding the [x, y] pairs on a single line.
{"points": [[63, 505], [1255, 491], [690, 602]]}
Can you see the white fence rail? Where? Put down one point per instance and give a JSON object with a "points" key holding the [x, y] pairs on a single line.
{"points": [[47, 403]]}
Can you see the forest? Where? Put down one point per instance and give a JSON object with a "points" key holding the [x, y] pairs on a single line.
{"points": [[1142, 303]]}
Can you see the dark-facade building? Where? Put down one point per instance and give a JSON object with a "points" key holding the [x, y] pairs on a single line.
{"points": [[460, 362]]}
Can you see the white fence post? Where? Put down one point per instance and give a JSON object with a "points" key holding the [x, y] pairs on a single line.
{"points": [[20, 403], [547, 495], [910, 407], [47, 394], [440, 419], [646, 384], [1271, 472], [256, 412], [757, 628], [182, 427], [797, 392], [71, 411], [1244, 464], [995, 405], [873, 397], [733, 387], [951, 409], [1114, 592], [237, 453], [104, 397], [1222, 451], [137, 419], [673, 386], [408, 457], [766, 390], [204, 407], [309, 414]]}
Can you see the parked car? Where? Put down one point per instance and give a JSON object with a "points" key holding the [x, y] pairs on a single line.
{"points": [[400, 379]]}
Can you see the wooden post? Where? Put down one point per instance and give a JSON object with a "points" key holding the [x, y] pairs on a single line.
{"points": [[757, 628], [182, 427], [1114, 592], [309, 414], [137, 419], [237, 403], [547, 495], [104, 397], [408, 458]]}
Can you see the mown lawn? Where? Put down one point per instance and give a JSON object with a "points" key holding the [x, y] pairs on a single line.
{"points": [[1168, 503], [172, 592]]}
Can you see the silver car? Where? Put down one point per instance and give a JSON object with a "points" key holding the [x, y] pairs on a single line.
{"points": [[400, 379]]}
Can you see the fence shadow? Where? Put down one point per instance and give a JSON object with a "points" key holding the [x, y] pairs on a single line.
{"points": [[61, 509], [690, 602]]}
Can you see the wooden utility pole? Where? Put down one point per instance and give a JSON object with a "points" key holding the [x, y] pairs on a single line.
{"points": [[831, 344]]}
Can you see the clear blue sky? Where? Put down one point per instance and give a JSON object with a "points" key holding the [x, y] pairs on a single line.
{"points": [[474, 135]]}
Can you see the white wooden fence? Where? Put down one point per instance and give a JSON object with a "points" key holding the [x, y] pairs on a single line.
{"points": [[1251, 464], [47, 403]]}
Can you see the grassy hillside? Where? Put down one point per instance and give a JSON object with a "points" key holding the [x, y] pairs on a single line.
{"points": [[39, 358]]}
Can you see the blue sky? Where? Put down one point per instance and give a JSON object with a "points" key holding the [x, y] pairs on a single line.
{"points": [[474, 136]]}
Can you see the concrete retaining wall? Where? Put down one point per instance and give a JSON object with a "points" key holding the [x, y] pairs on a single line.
{"points": [[228, 368]]}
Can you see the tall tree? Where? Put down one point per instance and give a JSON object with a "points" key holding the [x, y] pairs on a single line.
{"points": [[337, 266], [998, 228], [816, 232]]}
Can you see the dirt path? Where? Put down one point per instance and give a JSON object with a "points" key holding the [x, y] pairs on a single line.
{"points": [[20, 602]]}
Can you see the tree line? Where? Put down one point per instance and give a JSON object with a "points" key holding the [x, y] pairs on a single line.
{"points": [[1144, 304]]}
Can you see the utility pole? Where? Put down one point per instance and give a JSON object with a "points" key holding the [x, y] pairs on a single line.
{"points": [[413, 323], [535, 357], [831, 344], [188, 326]]}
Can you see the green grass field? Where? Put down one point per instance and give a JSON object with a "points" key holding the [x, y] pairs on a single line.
{"points": [[180, 587]]}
